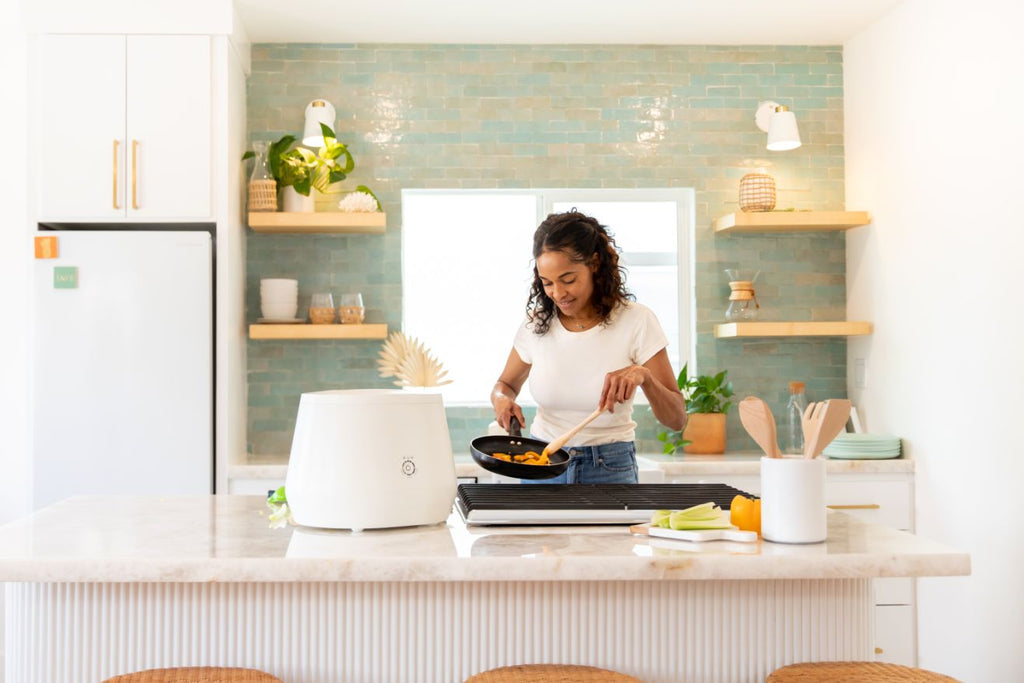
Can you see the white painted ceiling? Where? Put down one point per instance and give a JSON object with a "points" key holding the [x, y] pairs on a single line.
{"points": [[658, 22]]}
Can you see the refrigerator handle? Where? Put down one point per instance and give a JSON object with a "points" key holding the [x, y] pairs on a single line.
{"points": [[117, 143], [135, 159]]}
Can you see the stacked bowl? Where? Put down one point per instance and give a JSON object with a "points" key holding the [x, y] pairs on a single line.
{"points": [[863, 447], [279, 299]]}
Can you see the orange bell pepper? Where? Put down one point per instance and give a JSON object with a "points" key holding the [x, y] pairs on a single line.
{"points": [[745, 513]]}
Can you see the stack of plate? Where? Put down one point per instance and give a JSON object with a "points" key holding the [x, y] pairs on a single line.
{"points": [[864, 447]]}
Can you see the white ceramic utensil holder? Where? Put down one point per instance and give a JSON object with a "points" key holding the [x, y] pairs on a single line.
{"points": [[793, 500]]}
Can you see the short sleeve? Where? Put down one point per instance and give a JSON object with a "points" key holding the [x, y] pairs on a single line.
{"points": [[524, 343], [648, 338]]}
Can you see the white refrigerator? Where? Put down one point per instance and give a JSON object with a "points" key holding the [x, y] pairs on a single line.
{"points": [[122, 349]]}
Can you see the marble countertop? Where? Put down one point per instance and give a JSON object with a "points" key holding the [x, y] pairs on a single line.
{"points": [[729, 464], [742, 463], [228, 538]]}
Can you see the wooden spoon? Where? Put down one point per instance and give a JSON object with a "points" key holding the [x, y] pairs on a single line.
{"points": [[832, 421], [564, 438], [809, 422], [759, 422]]}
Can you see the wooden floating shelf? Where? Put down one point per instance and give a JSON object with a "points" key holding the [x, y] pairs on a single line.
{"points": [[791, 221], [313, 222], [795, 329], [310, 331]]}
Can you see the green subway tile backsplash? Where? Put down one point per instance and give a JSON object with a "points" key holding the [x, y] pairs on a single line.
{"points": [[500, 116]]}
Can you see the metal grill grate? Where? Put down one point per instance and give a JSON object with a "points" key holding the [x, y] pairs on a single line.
{"points": [[548, 500]]}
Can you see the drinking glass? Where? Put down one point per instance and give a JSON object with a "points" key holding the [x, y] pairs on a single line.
{"points": [[350, 308], [321, 308]]}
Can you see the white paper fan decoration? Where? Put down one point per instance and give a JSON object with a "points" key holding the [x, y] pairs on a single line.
{"points": [[410, 362]]}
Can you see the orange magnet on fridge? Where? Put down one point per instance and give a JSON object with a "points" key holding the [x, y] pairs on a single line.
{"points": [[47, 246]]}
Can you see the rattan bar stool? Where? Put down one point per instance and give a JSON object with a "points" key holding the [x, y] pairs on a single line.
{"points": [[550, 673], [196, 674], [855, 672]]}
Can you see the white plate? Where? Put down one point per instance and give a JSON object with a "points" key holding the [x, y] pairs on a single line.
{"points": [[280, 321]]}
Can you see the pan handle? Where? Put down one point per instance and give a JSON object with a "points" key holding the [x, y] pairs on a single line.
{"points": [[514, 428]]}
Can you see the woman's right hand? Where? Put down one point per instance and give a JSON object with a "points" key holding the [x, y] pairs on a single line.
{"points": [[504, 409]]}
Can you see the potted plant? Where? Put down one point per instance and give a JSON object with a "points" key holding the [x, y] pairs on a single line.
{"points": [[298, 170], [707, 403]]}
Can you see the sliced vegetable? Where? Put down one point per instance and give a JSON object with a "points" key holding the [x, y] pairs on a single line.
{"points": [[703, 516], [660, 518]]}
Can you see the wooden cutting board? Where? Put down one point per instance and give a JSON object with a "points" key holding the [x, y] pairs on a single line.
{"points": [[695, 535]]}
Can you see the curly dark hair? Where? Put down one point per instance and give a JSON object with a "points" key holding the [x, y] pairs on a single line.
{"points": [[580, 237]]}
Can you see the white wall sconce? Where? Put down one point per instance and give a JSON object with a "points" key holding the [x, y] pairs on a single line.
{"points": [[317, 112], [780, 124]]}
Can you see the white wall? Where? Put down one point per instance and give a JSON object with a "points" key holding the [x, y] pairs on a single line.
{"points": [[15, 242], [935, 150]]}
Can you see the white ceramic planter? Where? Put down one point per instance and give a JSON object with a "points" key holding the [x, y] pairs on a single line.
{"points": [[294, 202], [793, 500]]}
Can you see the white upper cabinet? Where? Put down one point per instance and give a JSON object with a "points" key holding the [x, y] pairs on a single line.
{"points": [[129, 118]]}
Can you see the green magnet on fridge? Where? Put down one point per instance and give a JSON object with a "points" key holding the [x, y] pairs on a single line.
{"points": [[65, 277]]}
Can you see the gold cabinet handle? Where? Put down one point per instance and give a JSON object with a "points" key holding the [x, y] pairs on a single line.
{"points": [[117, 143], [878, 650], [135, 180], [865, 506]]}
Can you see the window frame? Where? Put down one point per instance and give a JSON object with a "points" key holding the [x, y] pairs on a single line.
{"points": [[684, 198]]}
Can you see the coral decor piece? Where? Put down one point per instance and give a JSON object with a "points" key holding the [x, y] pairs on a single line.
{"points": [[358, 202], [410, 362]]}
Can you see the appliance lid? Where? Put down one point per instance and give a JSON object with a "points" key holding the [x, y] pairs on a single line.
{"points": [[582, 503]]}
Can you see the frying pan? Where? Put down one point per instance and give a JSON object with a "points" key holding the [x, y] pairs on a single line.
{"points": [[483, 447]]}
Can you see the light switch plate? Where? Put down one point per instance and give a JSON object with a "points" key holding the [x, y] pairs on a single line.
{"points": [[860, 373]]}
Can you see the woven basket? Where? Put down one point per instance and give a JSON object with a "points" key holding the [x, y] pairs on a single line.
{"points": [[196, 674], [855, 672], [550, 673], [757, 192], [263, 195]]}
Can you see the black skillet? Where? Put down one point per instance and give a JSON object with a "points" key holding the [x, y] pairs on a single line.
{"points": [[484, 446]]}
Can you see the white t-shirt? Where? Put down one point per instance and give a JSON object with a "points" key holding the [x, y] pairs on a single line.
{"points": [[568, 370]]}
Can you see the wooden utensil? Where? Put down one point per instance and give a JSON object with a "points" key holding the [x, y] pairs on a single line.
{"points": [[830, 422], [809, 422], [564, 438], [759, 422]]}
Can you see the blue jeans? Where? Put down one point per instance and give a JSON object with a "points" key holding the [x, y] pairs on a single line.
{"points": [[610, 463]]}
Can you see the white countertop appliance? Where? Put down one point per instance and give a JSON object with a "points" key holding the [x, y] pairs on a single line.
{"points": [[370, 459]]}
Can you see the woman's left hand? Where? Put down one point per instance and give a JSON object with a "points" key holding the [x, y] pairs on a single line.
{"points": [[621, 385]]}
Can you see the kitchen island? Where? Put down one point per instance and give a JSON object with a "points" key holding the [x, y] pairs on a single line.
{"points": [[98, 586]]}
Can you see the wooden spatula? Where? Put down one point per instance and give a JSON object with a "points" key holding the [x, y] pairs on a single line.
{"points": [[564, 438], [759, 422], [830, 420]]}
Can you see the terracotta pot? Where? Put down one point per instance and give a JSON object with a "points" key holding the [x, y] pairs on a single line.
{"points": [[706, 431]]}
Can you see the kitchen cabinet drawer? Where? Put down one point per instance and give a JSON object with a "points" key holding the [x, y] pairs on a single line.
{"points": [[895, 635], [882, 502], [744, 482], [245, 486], [894, 591]]}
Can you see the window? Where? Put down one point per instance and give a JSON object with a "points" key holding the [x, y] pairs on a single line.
{"points": [[467, 267]]}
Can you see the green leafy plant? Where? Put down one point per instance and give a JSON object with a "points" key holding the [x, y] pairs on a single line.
{"points": [[704, 394], [305, 169]]}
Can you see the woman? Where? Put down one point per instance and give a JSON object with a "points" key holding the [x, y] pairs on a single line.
{"points": [[585, 344]]}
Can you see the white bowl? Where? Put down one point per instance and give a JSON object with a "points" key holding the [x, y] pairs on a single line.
{"points": [[279, 311], [278, 282], [279, 298]]}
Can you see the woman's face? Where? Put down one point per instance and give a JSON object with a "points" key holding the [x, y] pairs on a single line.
{"points": [[570, 284]]}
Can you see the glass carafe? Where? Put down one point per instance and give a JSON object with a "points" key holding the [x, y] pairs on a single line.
{"points": [[743, 304], [794, 443], [262, 186]]}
